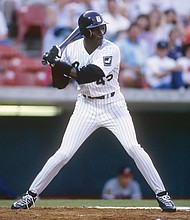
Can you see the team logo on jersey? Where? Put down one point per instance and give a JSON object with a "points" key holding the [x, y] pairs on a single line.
{"points": [[107, 60]]}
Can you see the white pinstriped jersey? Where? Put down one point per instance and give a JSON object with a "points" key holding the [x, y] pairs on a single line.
{"points": [[106, 56]]}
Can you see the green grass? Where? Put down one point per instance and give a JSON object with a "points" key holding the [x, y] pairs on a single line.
{"points": [[96, 202]]}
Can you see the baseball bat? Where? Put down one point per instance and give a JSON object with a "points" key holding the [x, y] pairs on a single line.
{"points": [[66, 41], [69, 38]]}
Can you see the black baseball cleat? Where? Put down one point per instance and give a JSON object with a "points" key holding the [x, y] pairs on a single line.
{"points": [[26, 201], [165, 202]]}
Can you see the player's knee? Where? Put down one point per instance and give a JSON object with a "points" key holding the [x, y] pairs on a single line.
{"points": [[133, 150], [62, 158]]}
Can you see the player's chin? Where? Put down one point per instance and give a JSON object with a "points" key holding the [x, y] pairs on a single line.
{"points": [[100, 41]]}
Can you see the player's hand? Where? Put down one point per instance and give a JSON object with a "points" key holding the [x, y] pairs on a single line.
{"points": [[52, 56]]}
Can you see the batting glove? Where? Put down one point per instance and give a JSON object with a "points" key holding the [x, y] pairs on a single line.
{"points": [[52, 56]]}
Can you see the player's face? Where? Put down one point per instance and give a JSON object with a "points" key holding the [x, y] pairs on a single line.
{"points": [[98, 34], [124, 181], [162, 52]]}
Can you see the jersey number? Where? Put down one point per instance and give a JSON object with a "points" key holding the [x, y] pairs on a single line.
{"points": [[102, 80]]}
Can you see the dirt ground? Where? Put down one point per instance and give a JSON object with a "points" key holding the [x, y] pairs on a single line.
{"points": [[56, 213]]}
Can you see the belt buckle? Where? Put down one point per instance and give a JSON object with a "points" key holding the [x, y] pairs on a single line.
{"points": [[101, 97]]}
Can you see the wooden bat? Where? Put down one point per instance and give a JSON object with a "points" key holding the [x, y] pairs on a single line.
{"points": [[66, 41], [71, 37]]}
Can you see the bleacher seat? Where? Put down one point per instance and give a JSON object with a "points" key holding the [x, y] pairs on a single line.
{"points": [[30, 71], [25, 63], [8, 78], [17, 69], [28, 17], [8, 51]]}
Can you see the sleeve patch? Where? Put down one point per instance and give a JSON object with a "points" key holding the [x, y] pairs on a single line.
{"points": [[107, 60]]}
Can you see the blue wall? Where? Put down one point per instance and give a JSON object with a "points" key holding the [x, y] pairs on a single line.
{"points": [[26, 144]]}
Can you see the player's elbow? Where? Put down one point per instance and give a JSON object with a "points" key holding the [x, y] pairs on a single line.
{"points": [[90, 73], [60, 85], [59, 81]]}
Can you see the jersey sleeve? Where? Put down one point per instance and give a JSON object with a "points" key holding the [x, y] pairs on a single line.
{"points": [[109, 59]]}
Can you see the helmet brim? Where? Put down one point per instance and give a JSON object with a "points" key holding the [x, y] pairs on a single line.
{"points": [[91, 26]]}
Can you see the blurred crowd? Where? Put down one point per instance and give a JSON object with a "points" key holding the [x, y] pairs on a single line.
{"points": [[153, 36]]}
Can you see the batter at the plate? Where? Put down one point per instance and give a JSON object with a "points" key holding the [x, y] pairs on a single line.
{"points": [[94, 63]]}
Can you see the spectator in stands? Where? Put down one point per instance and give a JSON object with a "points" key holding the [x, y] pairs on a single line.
{"points": [[122, 187], [97, 5], [77, 7], [123, 8], [9, 8], [170, 19], [182, 7], [161, 71], [155, 21], [117, 22], [184, 61], [146, 34], [137, 7], [4, 39], [134, 52], [186, 33], [59, 24], [175, 43]]}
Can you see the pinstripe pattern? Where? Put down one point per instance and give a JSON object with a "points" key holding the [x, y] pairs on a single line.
{"points": [[90, 114], [76, 52]]}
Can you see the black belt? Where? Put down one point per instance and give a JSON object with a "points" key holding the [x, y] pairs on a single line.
{"points": [[100, 97]]}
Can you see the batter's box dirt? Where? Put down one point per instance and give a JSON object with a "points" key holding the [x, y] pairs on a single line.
{"points": [[56, 213]]}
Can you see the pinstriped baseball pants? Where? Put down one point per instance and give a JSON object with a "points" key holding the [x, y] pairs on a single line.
{"points": [[88, 116]]}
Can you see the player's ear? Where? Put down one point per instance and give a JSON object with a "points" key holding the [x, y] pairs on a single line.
{"points": [[90, 33], [87, 33]]}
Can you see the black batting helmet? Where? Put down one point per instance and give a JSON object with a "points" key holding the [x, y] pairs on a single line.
{"points": [[88, 20]]}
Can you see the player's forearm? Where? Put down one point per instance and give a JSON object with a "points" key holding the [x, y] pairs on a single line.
{"points": [[88, 74]]}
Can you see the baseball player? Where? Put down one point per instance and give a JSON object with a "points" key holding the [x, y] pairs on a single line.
{"points": [[123, 186], [94, 63]]}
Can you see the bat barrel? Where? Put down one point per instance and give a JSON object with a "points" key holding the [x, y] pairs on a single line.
{"points": [[71, 37], [67, 40]]}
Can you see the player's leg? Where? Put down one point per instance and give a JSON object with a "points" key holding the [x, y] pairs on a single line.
{"points": [[79, 128], [81, 124], [123, 128]]}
